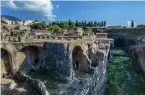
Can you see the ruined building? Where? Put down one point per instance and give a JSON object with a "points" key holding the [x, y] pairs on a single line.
{"points": [[79, 65]]}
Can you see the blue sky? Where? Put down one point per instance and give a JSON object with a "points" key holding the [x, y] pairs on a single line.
{"points": [[115, 13]]}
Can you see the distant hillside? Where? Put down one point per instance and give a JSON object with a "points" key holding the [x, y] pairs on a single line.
{"points": [[10, 17]]}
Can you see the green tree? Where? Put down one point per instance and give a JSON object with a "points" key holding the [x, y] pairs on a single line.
{"points": [[85, 23], [89, 24], [104, 23], [40, 25], [98, 23], [63, 25], [77, 23], [132, 23], [95, 23], [71, 24], [55, 28], [80, 24]]}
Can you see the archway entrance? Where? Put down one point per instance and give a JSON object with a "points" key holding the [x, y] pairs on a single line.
{"points": [[32, 56], [6, 63], [79, 60]]}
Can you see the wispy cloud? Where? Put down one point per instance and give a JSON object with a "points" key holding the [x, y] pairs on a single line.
{"points": [[10, 4], [40, 7]]}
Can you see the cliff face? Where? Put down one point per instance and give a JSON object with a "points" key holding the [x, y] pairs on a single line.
{"points": [[133, 42], [137, 53]]}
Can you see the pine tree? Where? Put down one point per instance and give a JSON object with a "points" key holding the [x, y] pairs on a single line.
{"points": [[95, 23], [82, 23], [88, 24], [91, 24], [85, 23], [99, 24], [132, 23], [71, 24], [77, 23], [104, 23]]}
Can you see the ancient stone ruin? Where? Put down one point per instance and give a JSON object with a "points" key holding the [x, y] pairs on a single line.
{"points": [[78, 66]]}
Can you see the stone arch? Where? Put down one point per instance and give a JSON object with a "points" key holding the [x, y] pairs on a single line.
{"points": [[72, 45], [6, 63], [79, 59], [30, 56], [12, 51]]}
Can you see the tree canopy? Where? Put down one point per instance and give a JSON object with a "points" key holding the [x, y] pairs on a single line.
{"points": [[40, 25], [68, 24], [55, 28], [132, 23]]}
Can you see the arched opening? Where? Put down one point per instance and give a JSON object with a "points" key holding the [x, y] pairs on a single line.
{"points": [[6, 63], [30, 56], [79, 59]]}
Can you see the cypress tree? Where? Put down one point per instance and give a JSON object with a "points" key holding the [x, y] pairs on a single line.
{"points": [[95, 23], [132, 23]]}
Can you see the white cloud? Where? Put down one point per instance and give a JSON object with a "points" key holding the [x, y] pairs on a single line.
{"points": [[57, 6], [129, 23], [40, 7], [135, 24], [10, 4]]}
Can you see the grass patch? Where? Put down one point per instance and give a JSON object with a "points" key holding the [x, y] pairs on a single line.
{"points": [[123, 78]]}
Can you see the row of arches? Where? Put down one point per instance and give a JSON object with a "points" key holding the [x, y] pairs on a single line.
{"points": [[25, 58], [32, 55]]}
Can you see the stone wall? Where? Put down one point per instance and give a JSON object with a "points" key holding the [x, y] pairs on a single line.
{"points": [[137, 53], [94, 83], [129, 32], [58, 62]]}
